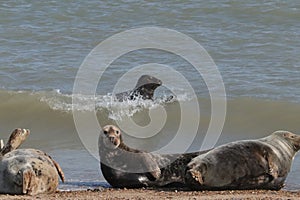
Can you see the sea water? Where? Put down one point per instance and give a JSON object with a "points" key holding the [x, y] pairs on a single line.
{"points": [[254, 44]]}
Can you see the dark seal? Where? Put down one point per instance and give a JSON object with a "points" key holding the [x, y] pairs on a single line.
{"points": [[123, 166], [250, 164], [144, 89]]}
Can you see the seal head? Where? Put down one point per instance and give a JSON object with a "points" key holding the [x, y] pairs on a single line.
{"points": [[17, 137], [144, 89], [291, 139], [111, 137]]}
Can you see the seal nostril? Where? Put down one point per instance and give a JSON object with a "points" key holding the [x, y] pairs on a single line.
{"points": [[111, 138]]}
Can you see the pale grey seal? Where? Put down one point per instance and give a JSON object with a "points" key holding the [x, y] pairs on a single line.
{"points": [[27, 171], [250, 164]]}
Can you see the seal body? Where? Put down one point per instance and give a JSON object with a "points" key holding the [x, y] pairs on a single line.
{"points": [[173, 170], [28, 171], [249, 164], [144, 89], [123, 166]]}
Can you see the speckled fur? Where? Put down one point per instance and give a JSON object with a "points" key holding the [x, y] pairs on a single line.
{"points": [[250, 164], [26, 171], [144, 89]]}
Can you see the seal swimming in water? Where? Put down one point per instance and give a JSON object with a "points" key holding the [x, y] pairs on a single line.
{"points": [[250, 164], [144, 89], [27, 171], [123, 166]]}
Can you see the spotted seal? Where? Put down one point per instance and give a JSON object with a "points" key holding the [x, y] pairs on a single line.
{"points": [[123, 166], [27, 171], [250, 164], [144, 89]]}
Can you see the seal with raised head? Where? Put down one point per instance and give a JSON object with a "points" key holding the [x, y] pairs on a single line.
{"points": [[250, 164], [27, 171], [123, 166], [144, 89]]}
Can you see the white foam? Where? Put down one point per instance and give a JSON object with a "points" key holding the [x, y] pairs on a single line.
{"points": [[116, 110]]}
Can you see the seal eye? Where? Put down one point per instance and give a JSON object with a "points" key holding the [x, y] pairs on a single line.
{"points": [[105, 132], [117, 132]]}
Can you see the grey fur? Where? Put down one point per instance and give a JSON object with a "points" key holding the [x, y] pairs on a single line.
{"points": [[250, 164], [27, 171]]}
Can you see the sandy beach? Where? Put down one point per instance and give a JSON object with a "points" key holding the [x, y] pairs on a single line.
{"points": [[162, 194]]}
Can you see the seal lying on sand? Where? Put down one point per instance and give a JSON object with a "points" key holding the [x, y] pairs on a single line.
{"points": [[123, 166], [249, 164], [144, 89], [26, 171]]}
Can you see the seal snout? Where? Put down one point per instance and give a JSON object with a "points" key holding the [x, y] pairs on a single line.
{"points": [[146, 80], [21, 132], [25, 131], [112, 139], [154, 81]]}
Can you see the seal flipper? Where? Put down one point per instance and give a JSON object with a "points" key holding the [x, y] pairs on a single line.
{"points": [[194, 175], [156, 174], [29, 183], [151, 166], [272, 168], [277, 177], [58, 168]]}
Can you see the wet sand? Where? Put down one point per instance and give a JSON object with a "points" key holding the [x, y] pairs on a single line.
{"points": [[140, 194]]}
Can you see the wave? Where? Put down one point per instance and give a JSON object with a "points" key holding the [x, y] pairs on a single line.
{"points": [[104, 103], [50, 114], [244, 115], [49, 117]]}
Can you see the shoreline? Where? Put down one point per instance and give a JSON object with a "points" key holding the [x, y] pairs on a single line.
{"points": [[122, 194]]}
